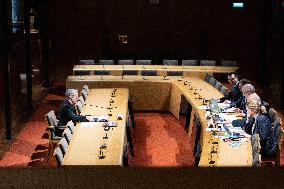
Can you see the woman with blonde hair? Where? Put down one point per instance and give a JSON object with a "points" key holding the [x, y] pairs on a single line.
{"points": [[261, 125]]}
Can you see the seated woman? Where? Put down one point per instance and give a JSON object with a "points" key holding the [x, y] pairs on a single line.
{"points": [[67, 109], [260, 124]]}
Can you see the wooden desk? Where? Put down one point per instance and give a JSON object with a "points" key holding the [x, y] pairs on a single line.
{"points": [[156, 90], [88, 138], [197, 71]]}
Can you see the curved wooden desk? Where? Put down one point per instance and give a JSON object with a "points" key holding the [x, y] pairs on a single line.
{"points": [[197, 71], [159, 93]]}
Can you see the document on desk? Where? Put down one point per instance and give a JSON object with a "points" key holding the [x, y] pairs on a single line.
{"points": [[86, 125]]}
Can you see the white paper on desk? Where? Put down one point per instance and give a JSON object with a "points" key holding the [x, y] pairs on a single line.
{"points": [[230, 110], [203, 107], [223, 105], [86, 125], [101, 118], [227, 117]]}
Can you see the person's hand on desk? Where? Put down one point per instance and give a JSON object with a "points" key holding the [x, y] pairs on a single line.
{"points": [[90, 118], [227, 102]]}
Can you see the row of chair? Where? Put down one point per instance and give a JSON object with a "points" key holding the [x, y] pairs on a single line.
{"points": [[81, 100], [129, 72], [168, 62], [64, 142], [215, 83]]}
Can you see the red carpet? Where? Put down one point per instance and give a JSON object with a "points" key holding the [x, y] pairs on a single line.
{"points": [[159, 140]]}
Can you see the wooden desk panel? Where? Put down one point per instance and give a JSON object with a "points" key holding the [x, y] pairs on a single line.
{"points": [[196, 71]]}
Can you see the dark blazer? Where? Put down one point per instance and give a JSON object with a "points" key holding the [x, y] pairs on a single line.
{"points": [[240, 103], [67, 113], [264, 129], [233, 95]]}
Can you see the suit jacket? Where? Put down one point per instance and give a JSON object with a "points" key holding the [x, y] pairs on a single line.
{"points": [[67, 113], [264, 129], [233, 95], [240, 103]]}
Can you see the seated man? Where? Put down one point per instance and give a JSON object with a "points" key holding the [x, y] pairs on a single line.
{"points": [[235, 93], [67, 109], [241, 102]]}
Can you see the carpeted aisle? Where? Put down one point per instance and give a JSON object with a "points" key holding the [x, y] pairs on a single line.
{"points": [[160, 141]]}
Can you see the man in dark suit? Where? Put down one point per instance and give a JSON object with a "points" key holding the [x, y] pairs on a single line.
{"points": [[235, 92], [67, 109]]}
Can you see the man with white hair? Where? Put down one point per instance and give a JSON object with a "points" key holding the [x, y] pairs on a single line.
{"points": [[67, 109]]}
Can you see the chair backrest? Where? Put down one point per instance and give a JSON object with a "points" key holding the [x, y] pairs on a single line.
{"points": [[189, 62], [58, 156], [63, 144], [125, 62], [82, 72], [278, 133], [224, 90], [212, 81], [81, 99], [71, 126], [256, 161], [102, 72], [207, 63], [273, 116], [255, 148], [87, 62], [218, 85], [149, 72], [51, 118], [106, 62], [175, 73], [254, 138], [143, 62], [84, 94], [86, 88], [207, 77], [67, 135], [79, 107], [228, 63], [170, 62], [130, 72]]}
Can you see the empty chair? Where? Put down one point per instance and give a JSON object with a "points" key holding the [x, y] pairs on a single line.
{"points": [[67, 135], [81, 99], [207, 77], [148, 72], [273, 116], [189, 62], [125, 62], [143, 62], [82, 72], [106, 62], [170, 62], [130, 72], [78, 107], [58, 156], [86, 88], [212, 81], [224, 90], [218, 85], [174, 73], [87, 62], [102, 72], [71, 126], [207, 63], [84, 94], [228, 63], [53, 128], [63, 144]]}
